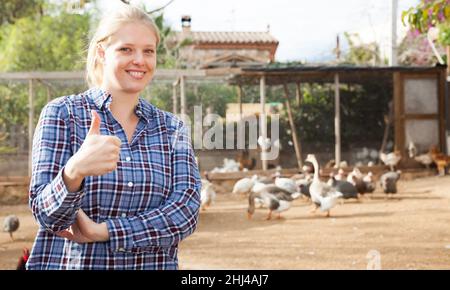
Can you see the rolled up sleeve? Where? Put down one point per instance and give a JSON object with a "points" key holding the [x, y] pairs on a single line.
{"points": [[52, 205]]}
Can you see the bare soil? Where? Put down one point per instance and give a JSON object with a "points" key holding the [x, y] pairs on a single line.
{"points": [[409, 231]]}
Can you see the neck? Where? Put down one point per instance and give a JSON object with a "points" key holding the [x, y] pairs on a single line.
{"points": [[122, 103], [251, 202], [316, 169]]}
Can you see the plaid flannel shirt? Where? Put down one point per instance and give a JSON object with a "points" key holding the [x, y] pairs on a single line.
{"points": [[149, 203]]}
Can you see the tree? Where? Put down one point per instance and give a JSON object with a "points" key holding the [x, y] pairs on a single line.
{"points": [[414, 49], [361, 53], [45, 44], [168, 49], [11, 10], [428, 14]]}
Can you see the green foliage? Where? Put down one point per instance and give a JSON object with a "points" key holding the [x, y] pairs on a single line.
{"points": [[168, 50], [430, 13], [11, 10], [361, 53], [444, 33], [427, 13], [362, 110], [50, 43]]}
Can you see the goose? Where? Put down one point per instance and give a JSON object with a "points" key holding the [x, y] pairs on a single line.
{"points": [[244, 185], [304, 185], [260, 186], [275, 199], [11, 224], [287, 184], [207, 195], [347, 189], [322, 195]]}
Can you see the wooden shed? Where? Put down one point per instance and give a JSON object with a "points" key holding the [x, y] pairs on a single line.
{"points": [[419, 96]]}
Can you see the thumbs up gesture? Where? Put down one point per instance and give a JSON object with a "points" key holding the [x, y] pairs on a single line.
{"points": [[97, 155]]}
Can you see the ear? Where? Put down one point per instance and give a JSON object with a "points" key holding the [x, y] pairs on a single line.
{"points": [[100, 53]]}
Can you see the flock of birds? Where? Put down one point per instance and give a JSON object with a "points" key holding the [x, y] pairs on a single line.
{"points": [[277, 193]]}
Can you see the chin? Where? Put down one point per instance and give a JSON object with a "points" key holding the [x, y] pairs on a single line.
{"points": [[133, 90]]}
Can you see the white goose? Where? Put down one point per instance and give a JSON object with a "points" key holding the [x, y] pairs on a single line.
{"points": [[207, 194], [286, 184], [244, 185], [321, 194]]}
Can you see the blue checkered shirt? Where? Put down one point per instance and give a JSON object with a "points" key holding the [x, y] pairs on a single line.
{"points": [[149, 203]]}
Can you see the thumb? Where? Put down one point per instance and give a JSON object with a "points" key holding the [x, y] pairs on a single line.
{"points": [[95, 124]]}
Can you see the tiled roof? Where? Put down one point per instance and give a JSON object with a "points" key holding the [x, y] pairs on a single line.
{"points": [[228, 37]]}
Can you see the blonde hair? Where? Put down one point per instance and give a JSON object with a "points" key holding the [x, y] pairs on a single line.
{"points": [[106, 28]]}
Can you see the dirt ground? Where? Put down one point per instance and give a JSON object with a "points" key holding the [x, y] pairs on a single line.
{"points": [[409, 231]]}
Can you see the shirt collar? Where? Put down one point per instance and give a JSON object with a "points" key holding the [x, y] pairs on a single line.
{"points": [[144, 110], [100, 97], [103, 99]]}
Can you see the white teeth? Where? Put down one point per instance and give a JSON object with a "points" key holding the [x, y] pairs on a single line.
{"points": [[136, 74]]}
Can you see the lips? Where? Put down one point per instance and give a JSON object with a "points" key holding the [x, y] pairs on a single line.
{"points": [[136, 74]]}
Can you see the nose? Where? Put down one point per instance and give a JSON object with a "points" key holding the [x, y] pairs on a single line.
{"points": [[138, 58]]}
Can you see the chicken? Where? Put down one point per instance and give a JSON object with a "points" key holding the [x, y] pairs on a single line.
{"points": [[391, 159], [245, 161], [412, 150], [364, 185], [341, 175], [389, 180], [425, 159], [11, 224], [23, 260], [441, 160]]}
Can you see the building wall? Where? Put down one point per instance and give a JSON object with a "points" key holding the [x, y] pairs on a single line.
{"points": [[196, 57]]}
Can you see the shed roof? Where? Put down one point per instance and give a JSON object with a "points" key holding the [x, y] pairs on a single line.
{"points": [[277, 75]]}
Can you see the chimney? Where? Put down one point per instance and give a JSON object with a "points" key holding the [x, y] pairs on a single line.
{"points": [[186, 23]]}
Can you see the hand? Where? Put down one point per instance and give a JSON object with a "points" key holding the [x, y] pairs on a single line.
{"points": [[73, 233], [85, 230], [97, 155]]}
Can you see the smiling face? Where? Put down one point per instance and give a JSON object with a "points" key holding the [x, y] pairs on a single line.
{"points": [[129, 60]]}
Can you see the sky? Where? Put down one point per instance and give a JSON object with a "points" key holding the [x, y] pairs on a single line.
{"points": [[306, 29]]}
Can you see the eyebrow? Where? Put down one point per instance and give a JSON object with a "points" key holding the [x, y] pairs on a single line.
{"points": [[130, 44]]}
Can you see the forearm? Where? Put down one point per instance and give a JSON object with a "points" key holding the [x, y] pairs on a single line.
{"points": [[52, 205], [164, 227], [72, 179]]}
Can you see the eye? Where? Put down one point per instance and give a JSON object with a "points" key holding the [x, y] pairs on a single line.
{"points": [[125, 49], [149, 51]]}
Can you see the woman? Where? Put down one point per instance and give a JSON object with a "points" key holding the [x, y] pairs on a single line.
{"points": [[114, 183]]}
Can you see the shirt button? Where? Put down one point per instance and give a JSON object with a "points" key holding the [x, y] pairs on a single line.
{"points": [[124, 215], [130, 184], [121, 250], [128, 158]]}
